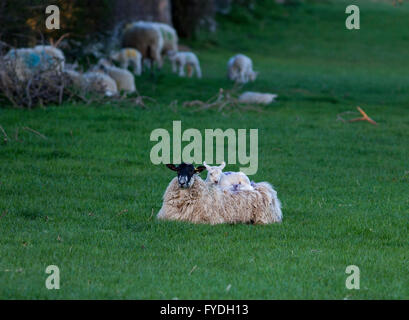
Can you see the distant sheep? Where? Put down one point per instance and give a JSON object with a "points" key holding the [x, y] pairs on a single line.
{"points": [[100, 83], [257, 97], [24, 62], [186, 59], [51, 56], [124, 79], [240, 69], [235, 181], [147, 39], [128, 57], [189, 198]]}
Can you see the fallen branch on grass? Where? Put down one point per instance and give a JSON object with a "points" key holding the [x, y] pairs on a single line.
{"points": [[364, 117]]}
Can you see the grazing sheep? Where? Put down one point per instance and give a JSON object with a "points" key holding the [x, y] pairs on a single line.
{"points": [[240, 69], [188, 59], [127, 57], [257, 97], [236, 181], [147, 39], [51, 56], [24, 62], [100, 83], [189, 198], [123, 78]]}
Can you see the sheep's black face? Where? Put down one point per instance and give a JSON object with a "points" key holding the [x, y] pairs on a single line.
{"points": [[186, 173]]}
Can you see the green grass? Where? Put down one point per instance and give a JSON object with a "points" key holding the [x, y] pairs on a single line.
{"points": [[83, 199]]}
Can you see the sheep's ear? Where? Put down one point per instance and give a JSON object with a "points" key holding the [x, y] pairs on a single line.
{"points": [[199, 169], [222, 165], [172, 167]]}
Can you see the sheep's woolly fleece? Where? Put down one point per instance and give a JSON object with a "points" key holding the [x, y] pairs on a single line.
{"points": [[205, 204]]}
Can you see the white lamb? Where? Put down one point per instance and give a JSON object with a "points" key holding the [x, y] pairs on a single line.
{"points": [[123, 78], [128, 57], [257, 97], [188, 59], [235, 181], [240, 69]]}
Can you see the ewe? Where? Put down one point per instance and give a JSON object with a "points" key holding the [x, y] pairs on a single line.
{"points": [[188, 59], [51, 56], [147, 39], [189, 198], [236, 181], [127, 57], [240, 69], [123, 78], [24, 62]]}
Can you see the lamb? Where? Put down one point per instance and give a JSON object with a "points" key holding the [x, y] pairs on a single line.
{"points": [[189, 59], [189, 198], [123, 78], [51, 56], [100, 82], [240, 69], [147, 39], [127, 57], [257, 97], [235, 181]]}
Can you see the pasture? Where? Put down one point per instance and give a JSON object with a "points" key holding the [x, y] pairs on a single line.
{"points": [[85, 197]]}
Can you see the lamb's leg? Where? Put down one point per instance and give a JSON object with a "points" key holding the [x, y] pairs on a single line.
{"points": [[198, 70], [181, 70]]}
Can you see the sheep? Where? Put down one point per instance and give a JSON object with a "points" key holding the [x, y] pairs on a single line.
{"points": [[100, 82], [24, 62], [240, 69], [189, 59], [51, 56], [75, 77], [257, 97], [236, 181], [188, 198], [147, 39], [123, 78], [128, 56]]}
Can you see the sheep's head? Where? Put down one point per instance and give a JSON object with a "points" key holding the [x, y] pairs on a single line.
{"points": [[214, 173], [186, 173]]}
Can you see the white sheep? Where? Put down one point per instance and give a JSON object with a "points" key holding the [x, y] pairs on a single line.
{"points": [[186, 59], [189, 198], [129, 57], [24, 62], [235, 181], [257, 97], [51, 56], [147, 39], [100, 82], [240, 69], [124, 79]]}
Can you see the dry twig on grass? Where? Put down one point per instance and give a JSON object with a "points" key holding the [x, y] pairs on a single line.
{"points": [[364, 117]]}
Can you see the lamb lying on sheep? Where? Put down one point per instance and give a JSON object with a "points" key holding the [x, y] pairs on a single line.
{"points": [[189, 198], [236, 181], [257, 97], [240, 69], [128, 57], [123, 78], [147, 39], [188, 59]]}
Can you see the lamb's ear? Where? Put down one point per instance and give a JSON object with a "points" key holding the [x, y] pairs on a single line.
{"points": [[222, 165], [206, 166], [172, 167], [199, 169]]}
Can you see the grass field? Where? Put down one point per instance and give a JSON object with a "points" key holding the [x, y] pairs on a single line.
{"points": [[85, 198]]}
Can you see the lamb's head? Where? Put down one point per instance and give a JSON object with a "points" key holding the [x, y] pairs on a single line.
{"points": [[214, 173], [186, 173]]}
